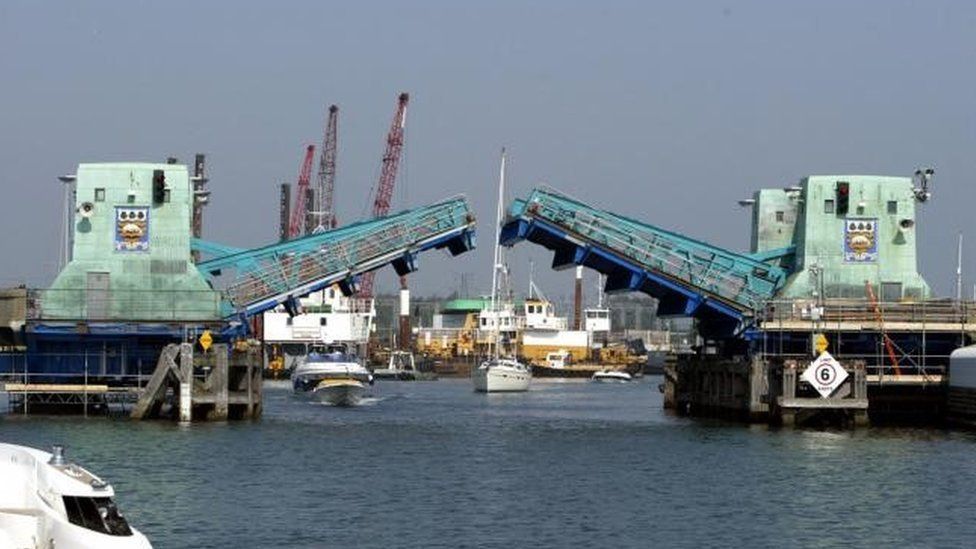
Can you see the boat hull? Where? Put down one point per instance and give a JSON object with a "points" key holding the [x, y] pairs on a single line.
{"points": [[340, 392], [541, 370]]}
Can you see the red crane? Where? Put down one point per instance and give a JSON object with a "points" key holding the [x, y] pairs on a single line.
{"points": [[327, 172], [384, 188], [296, 224]]}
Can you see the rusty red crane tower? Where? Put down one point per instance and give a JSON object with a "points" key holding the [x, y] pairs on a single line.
{"points": [[296, 223], [325, 207], [384, 188]]}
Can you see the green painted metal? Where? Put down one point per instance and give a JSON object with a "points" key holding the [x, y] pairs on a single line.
{"points": [[881, 217], [131, 255], [472, 304], [461, 305], [774, 217]]}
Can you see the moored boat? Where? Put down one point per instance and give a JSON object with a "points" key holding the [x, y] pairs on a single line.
{"points": [[403, 367], [612, 376]]}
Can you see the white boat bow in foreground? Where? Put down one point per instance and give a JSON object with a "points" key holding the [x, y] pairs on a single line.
{"points": [[47, 503]]}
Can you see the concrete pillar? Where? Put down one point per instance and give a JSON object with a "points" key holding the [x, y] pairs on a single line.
{"points": [[789, 380], [758, 390], [670, 386], [788, 418], [186, 382], [218, 382]]}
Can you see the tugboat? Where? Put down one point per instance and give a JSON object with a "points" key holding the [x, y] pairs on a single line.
{"points": [[48, 502]]}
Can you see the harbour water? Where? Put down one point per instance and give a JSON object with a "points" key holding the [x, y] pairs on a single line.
{"points": [[433, 464]]}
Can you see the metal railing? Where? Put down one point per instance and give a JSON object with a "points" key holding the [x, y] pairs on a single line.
{"points": [[280, 269], [931, 368], [91, 385], [733, 277], [862, 310]]}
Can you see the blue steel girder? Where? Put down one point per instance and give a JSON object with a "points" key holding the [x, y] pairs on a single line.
{"points": [[688, 276], [287, 270]]}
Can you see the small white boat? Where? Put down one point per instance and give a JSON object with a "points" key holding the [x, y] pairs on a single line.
{"points": [[333, 376], [499, 375], [47, 502], [612, 376]]}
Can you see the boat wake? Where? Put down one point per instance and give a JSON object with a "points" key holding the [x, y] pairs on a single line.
{"points": [[365, 401]]}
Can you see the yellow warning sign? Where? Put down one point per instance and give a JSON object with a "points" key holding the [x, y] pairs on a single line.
{"points": [[206, 340], [820, 343]]}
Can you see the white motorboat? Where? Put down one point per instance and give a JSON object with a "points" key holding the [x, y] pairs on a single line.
{"points": [[47, 502], [612, 376], [333, 376], [499, 374]]}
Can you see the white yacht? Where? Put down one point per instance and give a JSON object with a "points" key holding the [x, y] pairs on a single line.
{"points": [[334, 376], [498, 374], [47, 502]]}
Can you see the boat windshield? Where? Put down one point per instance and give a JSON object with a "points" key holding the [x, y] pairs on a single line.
{"points": [[98, 514], [334, 356]]}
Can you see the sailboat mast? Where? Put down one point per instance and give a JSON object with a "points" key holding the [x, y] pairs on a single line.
{"points": [[499, 208], [531, 273]]}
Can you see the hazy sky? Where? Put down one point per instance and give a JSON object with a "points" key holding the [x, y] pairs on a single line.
{"points": [[665, 111]]}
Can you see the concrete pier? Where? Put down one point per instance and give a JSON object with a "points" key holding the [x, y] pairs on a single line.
{"points": [[733, 389], [769, 391], [217, 385]]}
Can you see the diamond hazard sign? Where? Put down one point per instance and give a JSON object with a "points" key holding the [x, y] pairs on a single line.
{"points": [[206, 340], [825, 374], [820, 343]]}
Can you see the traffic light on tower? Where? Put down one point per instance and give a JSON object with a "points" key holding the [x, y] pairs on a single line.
{"points": [[843, 197], [159, 186]]}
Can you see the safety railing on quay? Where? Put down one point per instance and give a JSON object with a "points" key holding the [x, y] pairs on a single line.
{"points": [[91, 385], [862, 310]]}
